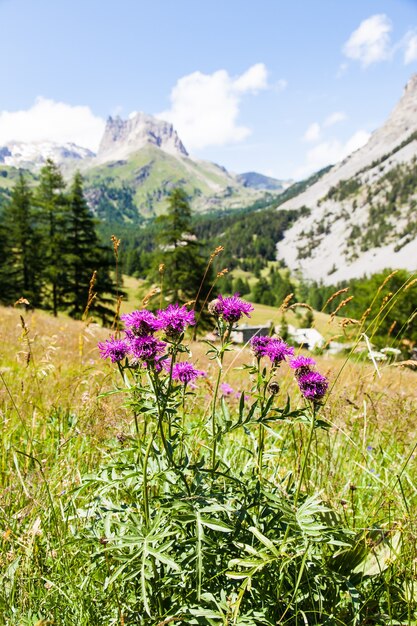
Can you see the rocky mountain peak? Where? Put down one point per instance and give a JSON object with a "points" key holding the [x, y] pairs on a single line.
{"points": [[123, 137], [362, 211]]}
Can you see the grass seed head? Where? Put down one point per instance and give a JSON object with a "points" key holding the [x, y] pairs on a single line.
{"points": [[334, 295]]}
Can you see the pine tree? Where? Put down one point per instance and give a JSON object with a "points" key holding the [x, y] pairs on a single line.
{"points": [[53, 215], [20, 274], [181, 253], [84, 256], [81, 250]]}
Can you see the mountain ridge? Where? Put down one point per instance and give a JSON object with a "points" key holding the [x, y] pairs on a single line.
{"points": [[361, 219]]}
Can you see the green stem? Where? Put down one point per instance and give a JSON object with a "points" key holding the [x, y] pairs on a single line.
{"points": [[213, 418], [161, 413], [145, 480], [183, 419], [261, 387], [261, 443], [304, 465], [297, 493], [225, 339]]}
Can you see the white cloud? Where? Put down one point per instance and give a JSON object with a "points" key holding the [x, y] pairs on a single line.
{"points": [[313, 132], [205, 107], [330, 152], [334, 118], [410, 52], [370, 42], [48, 120], [252, 80]]}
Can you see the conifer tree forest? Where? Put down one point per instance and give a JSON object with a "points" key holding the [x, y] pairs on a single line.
{"points": [[50, 253]]}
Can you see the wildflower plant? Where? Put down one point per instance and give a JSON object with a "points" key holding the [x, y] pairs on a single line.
{"points": [[185, 522]]}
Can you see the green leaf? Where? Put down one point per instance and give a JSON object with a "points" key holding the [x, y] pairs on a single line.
{"points": [[216, 525], [264, 540]]}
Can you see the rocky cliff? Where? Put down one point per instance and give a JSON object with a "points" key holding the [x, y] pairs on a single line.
{"points": [[124, 137], [363, 211]]}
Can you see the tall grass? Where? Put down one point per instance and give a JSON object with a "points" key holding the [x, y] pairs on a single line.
{"points": [[71, 491]]}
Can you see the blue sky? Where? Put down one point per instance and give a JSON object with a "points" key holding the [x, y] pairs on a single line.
{"points": [[273, 86]]}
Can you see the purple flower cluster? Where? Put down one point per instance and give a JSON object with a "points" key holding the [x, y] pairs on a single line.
{"points": [[146, 348], [174, 320], [230, 308], [312, 384], [113, 349], [142, 346], [276, 349], [140, 323]]}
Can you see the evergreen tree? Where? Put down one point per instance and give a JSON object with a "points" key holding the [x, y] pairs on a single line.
{"points": [[181, 253], [84, 256], [19, 267], [53, 215], [241, 286], [309, 319], [262, 292]]}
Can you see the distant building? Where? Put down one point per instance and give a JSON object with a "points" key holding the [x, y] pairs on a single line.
{"points": [[244, 333], [306, 337]]}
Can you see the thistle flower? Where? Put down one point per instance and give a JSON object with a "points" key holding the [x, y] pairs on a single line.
{"points": [[313, 385], [277, 350], [259, 346], [185, 372], [231, 308], [140, 323], [301, 361], [113, 349], [175, 319], [302, 365], [146, 348]]}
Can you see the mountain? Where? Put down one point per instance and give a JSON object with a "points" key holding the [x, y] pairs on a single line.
{"points": [[362, 214], [124, 137], [148, 175], [34, 155], [259, 181], [139, 161]]}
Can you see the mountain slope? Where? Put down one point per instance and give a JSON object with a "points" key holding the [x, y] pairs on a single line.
{"points": [[151, 173], [363, 211], [259, 181], [139, 161]]}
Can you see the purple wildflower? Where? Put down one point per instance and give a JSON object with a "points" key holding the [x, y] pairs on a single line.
{"points": [[313, 385], [301, 361], [277, 350], [175, 319], [259, 346], [185, 372], [140, 323], [146, 348], [113, 349], [302, 365], [231, 308], [226, 389]]}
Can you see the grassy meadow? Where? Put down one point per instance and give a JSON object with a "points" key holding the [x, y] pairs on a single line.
{"points": [[320, 527]]}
